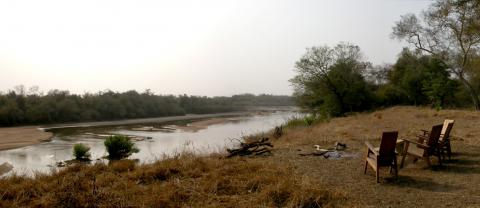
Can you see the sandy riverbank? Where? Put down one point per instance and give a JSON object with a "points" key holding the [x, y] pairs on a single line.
{"points": [[203, 124], [15, 137], [143, 120]]}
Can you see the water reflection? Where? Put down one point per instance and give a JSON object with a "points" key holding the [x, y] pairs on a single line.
{"points": [[42, 157]]}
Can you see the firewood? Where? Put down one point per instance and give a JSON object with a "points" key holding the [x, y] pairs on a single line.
{"points": [[259, 147]]}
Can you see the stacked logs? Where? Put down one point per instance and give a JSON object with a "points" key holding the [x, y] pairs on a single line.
{"points": [[255, 148]]}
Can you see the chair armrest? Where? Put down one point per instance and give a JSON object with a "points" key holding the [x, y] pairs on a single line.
{"points": [[443, 142], [371, 148], [417, 143], [422, 139], [424, 131], [422, 136]]}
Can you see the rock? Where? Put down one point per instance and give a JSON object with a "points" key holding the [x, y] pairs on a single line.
{"points": [[138, 139], [61, 164], [340, 146]]}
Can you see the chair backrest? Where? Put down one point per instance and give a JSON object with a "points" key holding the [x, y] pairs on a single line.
{"points": [[447, 127], [388, 144], [434, 136]]}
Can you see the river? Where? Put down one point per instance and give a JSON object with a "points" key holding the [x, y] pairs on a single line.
{"points": [[214, 138]]}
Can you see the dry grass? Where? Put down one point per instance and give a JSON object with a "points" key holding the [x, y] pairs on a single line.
{"points": [[456, 184], [282, 180], [407, 120], [183, 181]]}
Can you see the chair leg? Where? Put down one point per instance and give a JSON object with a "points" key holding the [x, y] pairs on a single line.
{"points": [[404, 153], [403, 160], [440, 157], [449, 151], [427, 158], [366, 164], [377, 174], [443, 152], [395, 166]]}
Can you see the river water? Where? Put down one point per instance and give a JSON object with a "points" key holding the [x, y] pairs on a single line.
{"points": [[215, 138]]}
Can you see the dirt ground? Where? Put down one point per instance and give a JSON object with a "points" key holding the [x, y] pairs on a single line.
{"points": [[455, 184], [15, 137]]}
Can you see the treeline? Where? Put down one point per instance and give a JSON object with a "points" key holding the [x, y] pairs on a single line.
{"points": [[335, 81], [442, 70], [418, 80], [20, 106]]}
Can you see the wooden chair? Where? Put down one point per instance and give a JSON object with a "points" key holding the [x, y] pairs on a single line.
{"points": [[383, 156], [425, 147], [444, 140]]}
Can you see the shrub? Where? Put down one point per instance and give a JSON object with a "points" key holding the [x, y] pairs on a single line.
{"points": [[81, 152], [309, 120], [119, 147]]}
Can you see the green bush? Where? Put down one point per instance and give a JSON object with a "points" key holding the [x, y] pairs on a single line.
{"points": [[119, 147], [81, 152]]}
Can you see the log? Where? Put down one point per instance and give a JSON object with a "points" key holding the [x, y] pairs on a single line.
{"points": [[251, 148]]}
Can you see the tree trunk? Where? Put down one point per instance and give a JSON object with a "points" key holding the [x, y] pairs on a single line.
{"points": [[473, 93]]}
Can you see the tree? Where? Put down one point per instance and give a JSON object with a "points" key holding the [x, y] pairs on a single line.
{"points": [[448, 30], [417, 79], [330, 81], [437, 86], [407, 75]]}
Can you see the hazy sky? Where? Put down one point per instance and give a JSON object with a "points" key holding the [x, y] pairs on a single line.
{"points": [[173, 47]]}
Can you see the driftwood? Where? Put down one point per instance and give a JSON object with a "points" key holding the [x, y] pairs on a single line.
{"points": [[251, 148], [333, 152], [314, 153], [278, 132]]}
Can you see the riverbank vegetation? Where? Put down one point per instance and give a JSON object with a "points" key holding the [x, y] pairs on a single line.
{"points": [[119, 147], [81, 152], [21, 106]]}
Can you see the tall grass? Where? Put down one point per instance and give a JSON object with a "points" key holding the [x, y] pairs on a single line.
{"points": [[182, 181], [307, 120]]}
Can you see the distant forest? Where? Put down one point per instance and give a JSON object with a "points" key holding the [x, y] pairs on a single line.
{"points": [[21, 106]]}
